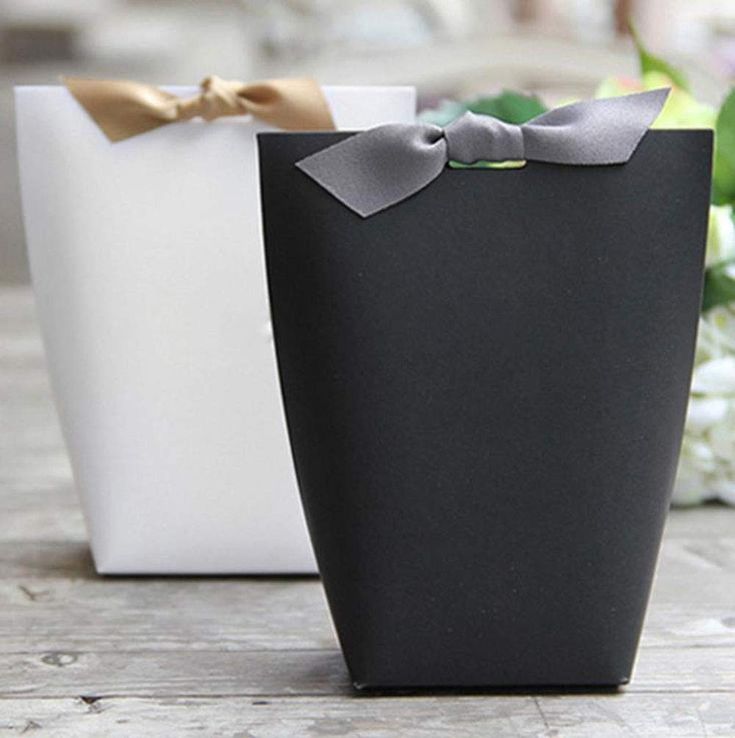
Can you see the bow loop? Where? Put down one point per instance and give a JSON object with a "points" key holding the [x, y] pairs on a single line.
{"points": [[593, 132], [123, 109], [378, 168]]}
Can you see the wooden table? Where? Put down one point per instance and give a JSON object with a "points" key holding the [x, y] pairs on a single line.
{"points": [[84, 655]]}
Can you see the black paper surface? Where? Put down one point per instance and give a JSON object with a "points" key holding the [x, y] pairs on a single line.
{"points": [[485, 388]]}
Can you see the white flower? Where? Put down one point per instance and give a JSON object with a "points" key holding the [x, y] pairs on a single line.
{"points": [[724, 488], [705, 412], [720, 235], [716, 337], [696, 465], [715, 377], [707, 463]]}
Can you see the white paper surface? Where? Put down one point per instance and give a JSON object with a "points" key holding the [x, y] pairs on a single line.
{"points": [[148, 269]]}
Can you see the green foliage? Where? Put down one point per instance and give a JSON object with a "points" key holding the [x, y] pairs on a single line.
{"points": [[650, 63], [719, 285], [723, 185], [444, 113], [508, 106]]}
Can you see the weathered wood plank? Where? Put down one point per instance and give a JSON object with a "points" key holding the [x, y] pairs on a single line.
{"points": [[32, 455], [693, 604], [286, 672], [171, 614], [713, 520], [573, 716], [35, 514], [65, 612]]}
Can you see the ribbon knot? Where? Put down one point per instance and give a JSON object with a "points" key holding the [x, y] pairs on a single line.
{"points": [[373, 170], [218, 98], [123, 109], [472, 138]]}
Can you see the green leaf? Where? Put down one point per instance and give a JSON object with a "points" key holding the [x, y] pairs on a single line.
{"points": [[444, 114], [508, 106], [719, 285], [651, 63], [723, 185]]}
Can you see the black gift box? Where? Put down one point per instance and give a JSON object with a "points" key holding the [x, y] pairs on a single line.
{"points": [[485, 388]]}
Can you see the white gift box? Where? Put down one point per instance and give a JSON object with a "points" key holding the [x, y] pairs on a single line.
{"points": [[148, 269]]}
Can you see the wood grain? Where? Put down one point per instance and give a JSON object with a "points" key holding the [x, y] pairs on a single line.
{"points": [[285, 672], [571, 716], [83, 655]]}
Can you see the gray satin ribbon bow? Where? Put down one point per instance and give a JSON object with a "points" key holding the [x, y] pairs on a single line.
{"points": [[375, 169]]}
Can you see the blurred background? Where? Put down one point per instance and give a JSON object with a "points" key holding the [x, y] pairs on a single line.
{"points": [[448, 48]]}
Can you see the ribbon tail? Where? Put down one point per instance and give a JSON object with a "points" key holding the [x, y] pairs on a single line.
{"points": [[593, 132], [380, 167], [290, 104], [120, 108]]}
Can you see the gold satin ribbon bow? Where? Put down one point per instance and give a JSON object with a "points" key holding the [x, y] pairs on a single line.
{"points": [[123, 109]]}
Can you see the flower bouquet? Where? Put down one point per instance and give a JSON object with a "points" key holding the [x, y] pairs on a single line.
{"points": [[707, 464]]}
